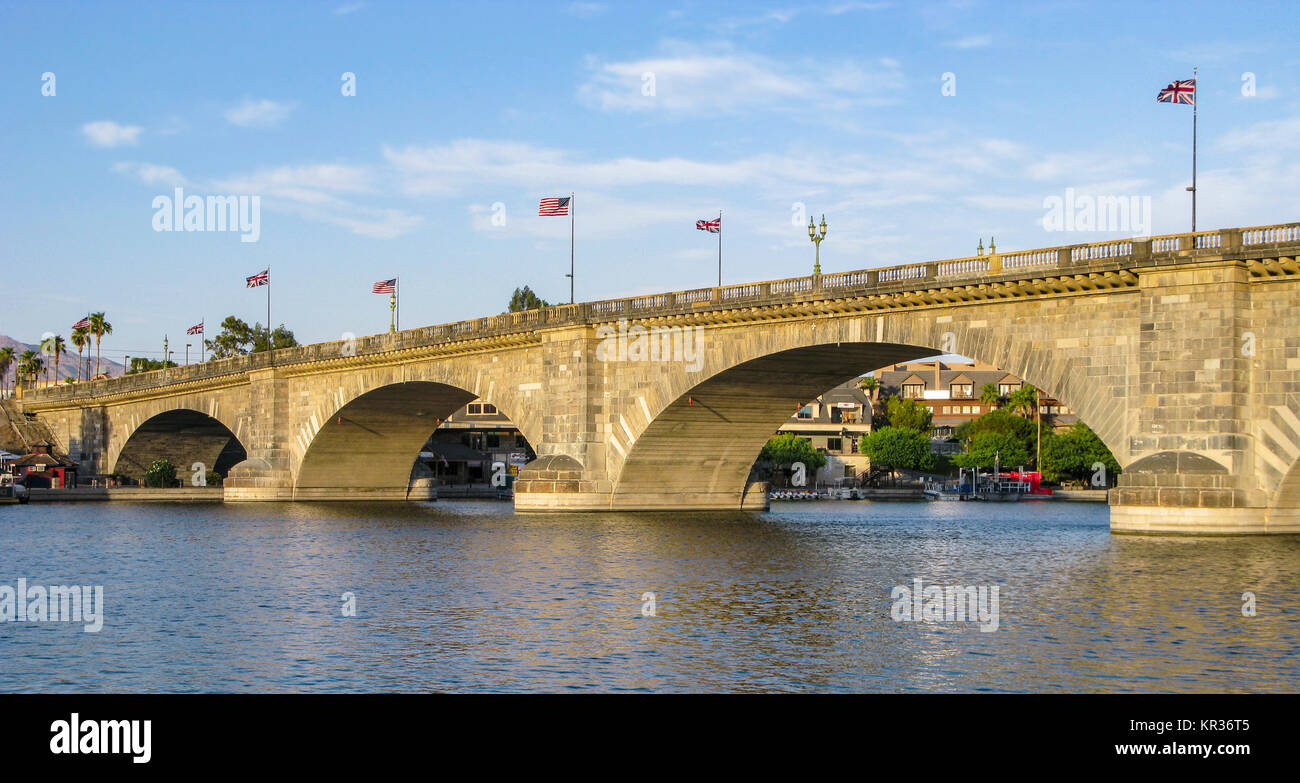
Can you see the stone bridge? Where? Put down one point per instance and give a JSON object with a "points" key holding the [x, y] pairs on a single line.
{"points": [[1182, 352]]}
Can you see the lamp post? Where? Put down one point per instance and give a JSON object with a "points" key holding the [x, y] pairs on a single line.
{"points": [[392, 312], [187, 354], [817, 240]]}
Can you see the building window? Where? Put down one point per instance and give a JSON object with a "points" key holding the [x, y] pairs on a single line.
{"points": [[962, 390], [805, 412], [494, 440], [1005, 389], [834, 444], [836, 415], [853, 445], [913, 391], [480, 409], [849, 416]]}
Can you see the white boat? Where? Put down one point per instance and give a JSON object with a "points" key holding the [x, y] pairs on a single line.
{"points": [[11, 493]]}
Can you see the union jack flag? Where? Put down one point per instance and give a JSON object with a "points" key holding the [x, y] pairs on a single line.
{"points": [[261, 278], [84, 323], [1179, 92], [384, 287], [712, 226], [195, 329], [553, 205]]}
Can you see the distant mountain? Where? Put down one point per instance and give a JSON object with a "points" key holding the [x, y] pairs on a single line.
{"points": [[67, 362]]}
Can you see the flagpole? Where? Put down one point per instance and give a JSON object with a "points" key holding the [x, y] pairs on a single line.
{"points": [[269, 342], [1195, 101], [573, 211], [397, 287], [719, 248]]}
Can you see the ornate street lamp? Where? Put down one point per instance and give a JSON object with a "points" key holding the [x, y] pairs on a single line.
{"points": [[817, 240], [392, 312]]}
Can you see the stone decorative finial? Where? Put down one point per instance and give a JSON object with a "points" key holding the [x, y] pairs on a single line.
{"points": [[992, 247], [980, 250]]}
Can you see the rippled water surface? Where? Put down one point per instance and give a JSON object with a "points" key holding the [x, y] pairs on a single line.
{"points": [[470, 596]]}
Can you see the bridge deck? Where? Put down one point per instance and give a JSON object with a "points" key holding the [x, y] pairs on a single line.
{"points": [[1280, 240]]}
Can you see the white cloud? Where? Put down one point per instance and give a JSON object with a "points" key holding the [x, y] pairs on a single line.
{"points": [[695, 82], [971, 42], [151, 173], [844, 8], [106, 133], [1264, 137], [258, 114], [344, 10], [586, 10]]}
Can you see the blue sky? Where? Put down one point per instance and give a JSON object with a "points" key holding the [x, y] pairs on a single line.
{"points": [[459, 107]]}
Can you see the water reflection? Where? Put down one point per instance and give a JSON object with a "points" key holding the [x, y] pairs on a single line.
{"points": [[469, 596]]}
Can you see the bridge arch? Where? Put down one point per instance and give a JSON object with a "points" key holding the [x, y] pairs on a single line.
{"points": [[364, 446], [705, 429], [182, 435]]}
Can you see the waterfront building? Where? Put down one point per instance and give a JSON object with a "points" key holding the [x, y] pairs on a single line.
{"points": [[952, 391], [833, 423], [466, 443]]}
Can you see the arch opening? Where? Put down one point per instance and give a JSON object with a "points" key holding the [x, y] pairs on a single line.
{"points": [[708, 439], [185, 438], [371, 447]]}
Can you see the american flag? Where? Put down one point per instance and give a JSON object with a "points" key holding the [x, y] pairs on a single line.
{"points": [[554, 205], [261, 278], [195, 329], [84, 323], [384, 287], [712, 226], [1179, 92]]}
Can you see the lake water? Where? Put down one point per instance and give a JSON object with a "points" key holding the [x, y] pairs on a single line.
{"points": [[468, 596]]}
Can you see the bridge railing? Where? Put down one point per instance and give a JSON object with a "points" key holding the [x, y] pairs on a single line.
{"points": [[863, 281]]}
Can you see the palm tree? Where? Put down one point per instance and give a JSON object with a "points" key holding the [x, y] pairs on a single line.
{"points": [[6, 361], [1023, 400], [53, 345], [60, 348], [99, 327], [989, 394], [30, 365], [80, 338]]}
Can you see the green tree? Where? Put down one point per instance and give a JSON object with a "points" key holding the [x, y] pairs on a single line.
{"points": [[787, 448], [279, 337], [55, 346], [80, 339], [908, 414], [990, 445], [7, 360], [989, 394], [160, 473], [1024, 401], [1072, 454], [1000, 420], [897, 448], [525, 299], [30, 367], [99, 326], [237, 337], [141, 364]]}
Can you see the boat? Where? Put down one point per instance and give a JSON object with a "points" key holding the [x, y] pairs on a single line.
{"points": [[11, 493]]}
